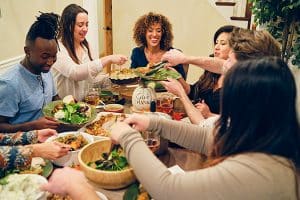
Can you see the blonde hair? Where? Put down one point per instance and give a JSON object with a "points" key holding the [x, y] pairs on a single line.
{"points": [[247, 44]]}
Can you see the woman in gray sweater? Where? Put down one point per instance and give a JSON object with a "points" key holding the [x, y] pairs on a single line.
{"points": [[253, 149]]}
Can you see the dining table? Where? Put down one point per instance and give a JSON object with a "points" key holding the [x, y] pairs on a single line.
{"points": [[172, 155]]}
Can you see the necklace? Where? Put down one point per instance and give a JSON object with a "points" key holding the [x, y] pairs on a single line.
{"points": [[153, 57]]}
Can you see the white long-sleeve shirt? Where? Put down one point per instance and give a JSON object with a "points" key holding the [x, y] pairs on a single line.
{"points": [[72, 78]]}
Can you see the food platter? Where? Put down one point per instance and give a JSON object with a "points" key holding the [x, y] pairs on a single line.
{"points": [[49, 111], [100, 127], [124, 81], [123, 76]]}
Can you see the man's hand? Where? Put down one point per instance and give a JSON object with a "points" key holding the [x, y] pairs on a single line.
{"points": [[45, 122]]}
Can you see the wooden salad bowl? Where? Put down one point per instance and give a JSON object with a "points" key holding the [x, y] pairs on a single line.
{"points": [[104, 179]]}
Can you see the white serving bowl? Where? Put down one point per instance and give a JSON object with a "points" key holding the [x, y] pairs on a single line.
{"points": [[72, 157]]}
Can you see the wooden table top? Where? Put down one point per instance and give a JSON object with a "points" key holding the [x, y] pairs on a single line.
{"points": [[186, 159]]}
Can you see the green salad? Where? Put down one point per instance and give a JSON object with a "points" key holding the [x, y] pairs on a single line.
{"points": [[113, 161], [75, 113], [69, 111]]}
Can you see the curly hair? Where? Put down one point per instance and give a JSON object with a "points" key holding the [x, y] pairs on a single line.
{"points": [[147, 20], [249, 44]]}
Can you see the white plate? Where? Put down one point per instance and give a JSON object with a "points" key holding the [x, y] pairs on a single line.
{"points": [[23, 186], [96, 137]]}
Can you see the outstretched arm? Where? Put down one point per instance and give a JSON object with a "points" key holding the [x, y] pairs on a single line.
{"points": [[19, 138], [175, 57], [72, 182], [89, 70], [41, 123], [176, 88]]}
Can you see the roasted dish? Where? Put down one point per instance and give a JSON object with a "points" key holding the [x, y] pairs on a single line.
{"points": [[75, 141], [123, 76], [102, 126]]}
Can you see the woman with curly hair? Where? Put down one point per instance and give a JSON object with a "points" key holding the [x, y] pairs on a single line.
{"points": [[153, 35]]}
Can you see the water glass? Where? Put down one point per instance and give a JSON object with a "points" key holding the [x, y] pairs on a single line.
{"points": [[93, 95]]}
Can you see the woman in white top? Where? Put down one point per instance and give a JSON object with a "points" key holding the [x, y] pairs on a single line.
{"points": [[75, 66]]}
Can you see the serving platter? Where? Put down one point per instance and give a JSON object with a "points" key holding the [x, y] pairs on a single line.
{"points": [[101, 125], [48, 111]]}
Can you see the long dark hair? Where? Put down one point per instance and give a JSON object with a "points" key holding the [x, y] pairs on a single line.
{"points": [[66, 32], [208, 80], [258, 111]]}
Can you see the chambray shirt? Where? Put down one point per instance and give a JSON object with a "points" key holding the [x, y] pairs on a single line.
{"points": [[23, 94]]}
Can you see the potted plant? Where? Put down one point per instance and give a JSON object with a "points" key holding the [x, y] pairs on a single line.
{"points": [[282, 19]]}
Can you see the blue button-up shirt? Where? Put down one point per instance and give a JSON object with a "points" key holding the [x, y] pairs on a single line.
{"points": [[23, 94]]}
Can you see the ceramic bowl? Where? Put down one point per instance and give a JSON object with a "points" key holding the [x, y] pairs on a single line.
{"points": [[72, 157], [117, 108]]}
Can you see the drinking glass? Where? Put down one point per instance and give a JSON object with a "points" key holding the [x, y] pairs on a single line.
{"points": [[93, 95], [164, 104], [152, 139], [178, 110]]}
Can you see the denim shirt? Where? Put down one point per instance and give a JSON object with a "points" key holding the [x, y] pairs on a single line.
{"points": [[23, 94]]}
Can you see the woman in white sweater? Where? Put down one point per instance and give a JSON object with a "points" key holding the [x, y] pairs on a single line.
{"points": [[253, 149], [75, 66]]}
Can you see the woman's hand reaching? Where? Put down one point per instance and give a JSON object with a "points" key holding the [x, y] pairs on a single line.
{"points": [[44, 134], [174, 87], [204, 109], [134, 121], [118, 59], [50, 150], [138, 122], [174, 57]]}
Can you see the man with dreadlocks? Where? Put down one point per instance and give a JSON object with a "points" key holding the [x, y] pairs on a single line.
{"points": [[23, 91], [28, 86]]}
